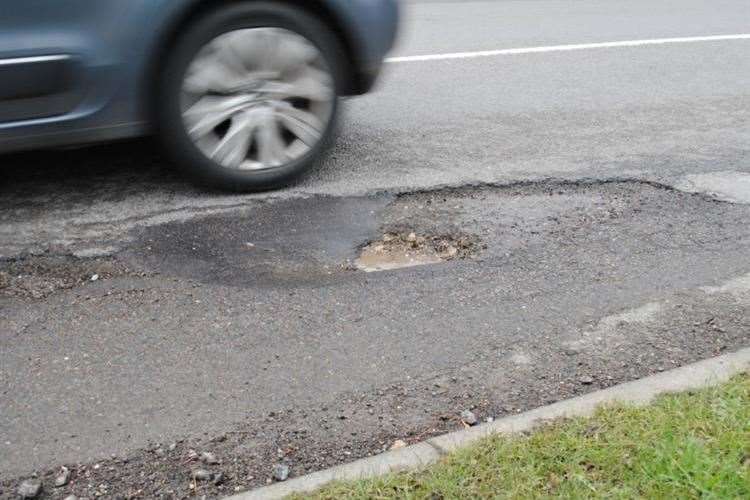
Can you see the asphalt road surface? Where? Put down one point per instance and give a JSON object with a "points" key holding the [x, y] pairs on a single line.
{"points": [[589, 207]]}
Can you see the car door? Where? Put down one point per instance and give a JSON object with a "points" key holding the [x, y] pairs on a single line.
{"points": [[57, 55]]}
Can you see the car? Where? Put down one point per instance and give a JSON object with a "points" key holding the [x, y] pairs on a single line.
{"points": [[243, 94]]}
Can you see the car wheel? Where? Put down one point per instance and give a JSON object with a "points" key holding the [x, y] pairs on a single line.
{"points": [[248, 96]]}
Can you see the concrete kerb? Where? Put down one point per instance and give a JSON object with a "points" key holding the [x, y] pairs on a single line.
{"points": [[694, 376]]}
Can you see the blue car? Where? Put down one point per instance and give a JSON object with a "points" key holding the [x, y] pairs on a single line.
{"points": [[242, 93]]}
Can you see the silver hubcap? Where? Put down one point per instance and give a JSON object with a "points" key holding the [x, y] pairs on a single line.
{"points": [[257, 98]]}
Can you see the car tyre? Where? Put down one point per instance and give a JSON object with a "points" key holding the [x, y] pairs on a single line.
{"points": [[227, 28]]}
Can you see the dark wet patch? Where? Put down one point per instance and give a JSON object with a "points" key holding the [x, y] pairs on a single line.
{"points": [[279, 242]]}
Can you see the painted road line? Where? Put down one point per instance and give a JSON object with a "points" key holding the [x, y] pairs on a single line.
{"points": [[567, 48]]}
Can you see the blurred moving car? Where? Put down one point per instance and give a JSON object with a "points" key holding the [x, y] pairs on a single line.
{"points": [[243, 93]]}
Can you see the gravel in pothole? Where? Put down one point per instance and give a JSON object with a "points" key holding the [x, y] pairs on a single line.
{"points": [[396, 250]]}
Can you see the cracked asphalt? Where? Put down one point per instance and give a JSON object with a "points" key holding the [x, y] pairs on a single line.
{"points": [[143, 321]]}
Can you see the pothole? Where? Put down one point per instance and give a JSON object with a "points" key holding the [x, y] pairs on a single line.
{"points": [[306, 242], [396, 250]]}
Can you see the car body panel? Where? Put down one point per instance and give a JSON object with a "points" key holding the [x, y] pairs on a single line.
{"points": [[104, 52]]}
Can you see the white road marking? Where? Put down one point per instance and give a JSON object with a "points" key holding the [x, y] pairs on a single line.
{"points": [[565, 48]]}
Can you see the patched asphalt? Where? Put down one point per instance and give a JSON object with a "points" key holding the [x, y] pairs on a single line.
{"points": [[604, 195], [300, 358]]}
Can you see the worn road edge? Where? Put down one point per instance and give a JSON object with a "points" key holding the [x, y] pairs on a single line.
{"points": [[694, 376]]}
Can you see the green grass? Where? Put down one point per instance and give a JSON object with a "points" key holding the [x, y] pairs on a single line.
{"points": [[683, 446]]}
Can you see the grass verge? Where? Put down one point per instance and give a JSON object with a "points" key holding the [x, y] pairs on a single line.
{"points": [[688, 445]]}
